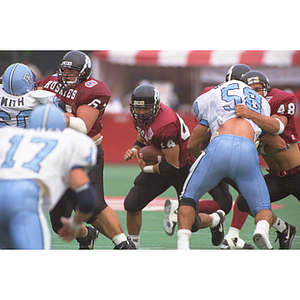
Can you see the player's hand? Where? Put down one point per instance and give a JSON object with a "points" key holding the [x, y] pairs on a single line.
{"points": [[141, 161], [242, 111], [129, 154], [67, 233]]}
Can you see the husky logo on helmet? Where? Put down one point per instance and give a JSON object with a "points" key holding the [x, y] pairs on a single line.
{"points": [[144, 96], [28, 78]]}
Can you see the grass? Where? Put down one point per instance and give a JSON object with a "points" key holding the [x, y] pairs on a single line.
{"points": [[119, 179]]}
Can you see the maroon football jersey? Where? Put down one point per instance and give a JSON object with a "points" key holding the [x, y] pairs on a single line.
{"points": [[166, 131], [284, 103], [91, 92]]}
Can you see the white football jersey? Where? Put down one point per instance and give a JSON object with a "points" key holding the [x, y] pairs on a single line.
{"points": [[217, 106], [46, 156], [15, 110]]}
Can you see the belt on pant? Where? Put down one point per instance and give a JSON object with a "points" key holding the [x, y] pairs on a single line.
{"points": [[285, 173]]}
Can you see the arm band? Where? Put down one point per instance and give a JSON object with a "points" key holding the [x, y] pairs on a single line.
{"points": [[139, 144], [165, 168], [77, 124], [281, 127], [86, 197], [148, 169]]}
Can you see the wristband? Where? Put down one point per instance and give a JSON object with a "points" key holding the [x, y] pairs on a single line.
{"points": [[134, 149], [74, 225], [148, 169]]}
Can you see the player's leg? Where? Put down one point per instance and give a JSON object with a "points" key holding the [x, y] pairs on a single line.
{"points": [[105, 219], [146, 188], [279, 188], [232, 240], [252, 185], [28, 227]]}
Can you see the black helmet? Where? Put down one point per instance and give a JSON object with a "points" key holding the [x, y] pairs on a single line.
{"points": [[237, 72], [75, 60], [144, 96], [253, 77]]}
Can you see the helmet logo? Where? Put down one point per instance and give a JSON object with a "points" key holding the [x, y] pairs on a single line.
{"points": [[252, 80], [66, 63], [27, 78], [139, 103]]}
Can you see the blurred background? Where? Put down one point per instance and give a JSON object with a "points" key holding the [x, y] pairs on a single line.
{"points": [[180, 76]]}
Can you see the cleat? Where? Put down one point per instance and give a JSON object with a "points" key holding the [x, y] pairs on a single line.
{"points": [[87, 243], [218, 231], [261, 239], [170, 218], [126, 245], [235, 243], [286, 237]]}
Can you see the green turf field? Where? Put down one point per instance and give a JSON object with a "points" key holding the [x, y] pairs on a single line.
{"points": [[118, 179]]}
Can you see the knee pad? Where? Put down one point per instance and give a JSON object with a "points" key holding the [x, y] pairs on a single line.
{"points": [[195, 205], [189, 202]]}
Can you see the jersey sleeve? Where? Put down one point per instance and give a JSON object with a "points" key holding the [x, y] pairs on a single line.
{"points": [[286, 106], [42, 96], [167, 136], [98, 94], [200, 110]]}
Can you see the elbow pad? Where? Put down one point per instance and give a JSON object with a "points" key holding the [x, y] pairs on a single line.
{"points": [[86, 196], [167, 169], [78, 124]]}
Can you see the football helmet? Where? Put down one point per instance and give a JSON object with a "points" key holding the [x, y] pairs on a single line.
{"points": [[253, 77], [18, 79], [144, 96], [75, 60], [47, 116], [237, 72]]}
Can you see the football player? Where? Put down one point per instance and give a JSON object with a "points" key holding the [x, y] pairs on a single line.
{"points": [[283, 176], [84, 100], [162, 127], [36, 167], [19, 96], [230, 151]]}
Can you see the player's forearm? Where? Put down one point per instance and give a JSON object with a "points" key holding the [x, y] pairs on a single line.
{"points": [[269, 124]]}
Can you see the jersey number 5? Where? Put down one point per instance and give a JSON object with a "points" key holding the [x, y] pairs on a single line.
{"points": [[251, 99]]}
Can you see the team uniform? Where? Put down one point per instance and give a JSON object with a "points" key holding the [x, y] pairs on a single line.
{"points": [[166, 131], [34, 170], [96, 94], [284, 183], [15, 110], [228, 155]]}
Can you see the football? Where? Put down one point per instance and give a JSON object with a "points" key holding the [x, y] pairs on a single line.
{"points": [[151, 155]]}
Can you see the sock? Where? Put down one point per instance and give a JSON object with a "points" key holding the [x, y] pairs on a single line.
{"points": [[117, 239], [136, 240], [208, 206], [279, 225], [215, 221], [183, 242], [263, 225], [239, 217], [233, 232]]}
